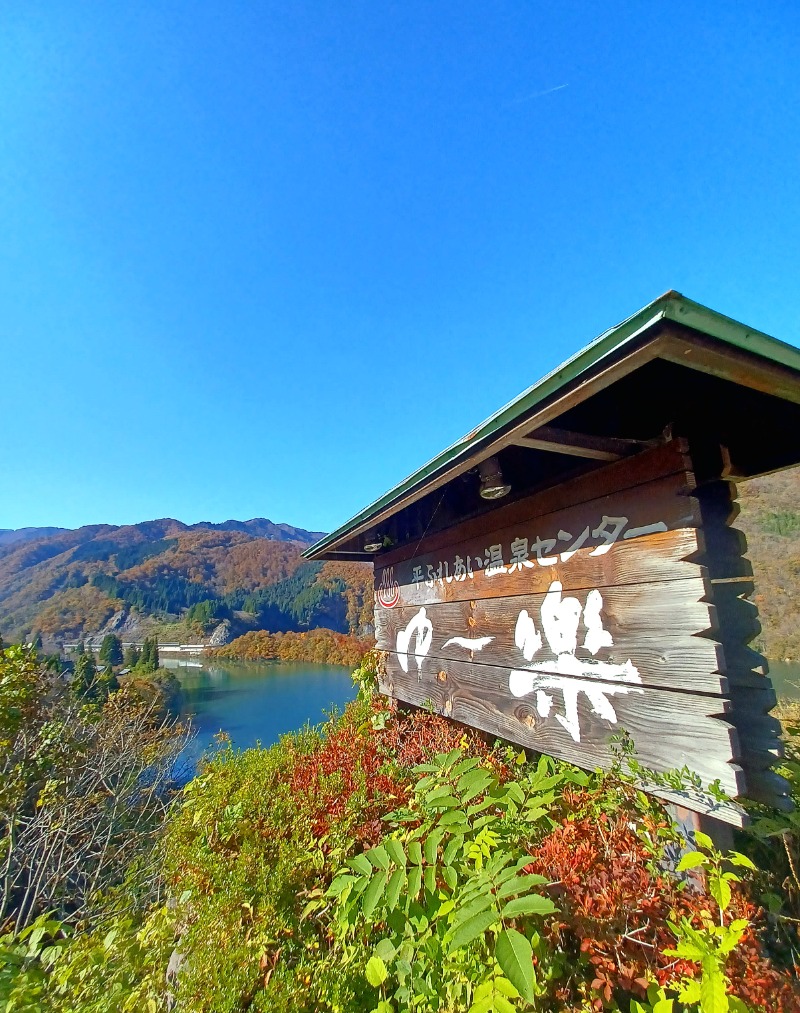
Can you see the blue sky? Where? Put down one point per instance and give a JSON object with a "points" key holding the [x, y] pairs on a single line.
{"points": [[265, 259]]}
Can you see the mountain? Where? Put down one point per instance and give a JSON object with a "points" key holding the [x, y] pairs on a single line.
{"points": [[137, 578], [262, 528], [10, 535]]}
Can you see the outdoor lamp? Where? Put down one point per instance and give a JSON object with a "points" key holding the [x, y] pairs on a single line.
{"points": [[493, 485]]}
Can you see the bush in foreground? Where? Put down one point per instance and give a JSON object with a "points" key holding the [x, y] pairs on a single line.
{"points": [[395, 861], [86, 781]]}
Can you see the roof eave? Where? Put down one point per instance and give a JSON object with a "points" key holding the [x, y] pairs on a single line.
{"points": [[670, 306]]}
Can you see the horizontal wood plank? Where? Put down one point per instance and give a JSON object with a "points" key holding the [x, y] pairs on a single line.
{"points": [[654, 631], [666, 727], [765, 785], [729, 811], [659, 557], [743, 666], [659, 473]]}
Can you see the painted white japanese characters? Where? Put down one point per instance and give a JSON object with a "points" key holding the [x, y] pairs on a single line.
{"points": [[423, 628], [554, 633], [597, 680], [524, 553], [561, 649], [468, 643]]}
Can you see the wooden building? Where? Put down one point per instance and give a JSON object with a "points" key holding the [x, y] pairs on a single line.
{"points": [[569, 570]]}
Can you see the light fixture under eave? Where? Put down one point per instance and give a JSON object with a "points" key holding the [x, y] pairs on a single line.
{"points": [[493, 485], [373, 542]]}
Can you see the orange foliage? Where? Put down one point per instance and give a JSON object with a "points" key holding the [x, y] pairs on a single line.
{"points": [[358, 594], [321, 646], [614, 914], [349, 768], [257, 563], [415, 736], [223, 560], [76, 613]]}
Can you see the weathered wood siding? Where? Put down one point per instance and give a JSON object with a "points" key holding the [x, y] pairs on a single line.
{"points": [[610, 603]]}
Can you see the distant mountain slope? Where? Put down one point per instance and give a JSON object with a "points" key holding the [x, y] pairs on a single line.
{"points": [[73, 583], [263, 528], [76, 583], [770, 518], [11, 535]]}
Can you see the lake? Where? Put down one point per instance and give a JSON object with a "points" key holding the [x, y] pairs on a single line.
{"points": [[257, 702], [785, 677]]}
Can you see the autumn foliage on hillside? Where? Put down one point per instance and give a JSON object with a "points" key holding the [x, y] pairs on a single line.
{"points": [[76, 612], [223, 560], [358, 592], [69, 585], [770, 518], [320, 646]]}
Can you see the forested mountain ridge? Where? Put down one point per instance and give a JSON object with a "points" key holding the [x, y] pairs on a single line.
{"points": [[8, 536], [77, 583]]}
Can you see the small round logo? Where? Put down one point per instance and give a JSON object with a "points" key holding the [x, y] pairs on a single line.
{"points": [[389, 591]]}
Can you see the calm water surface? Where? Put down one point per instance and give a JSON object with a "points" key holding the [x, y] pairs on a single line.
{"points": [[257, 702]]}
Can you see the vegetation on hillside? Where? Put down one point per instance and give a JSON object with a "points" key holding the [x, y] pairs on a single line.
{"points": [[770, 518], [86, 779], [391, 862], [324, 647], [141, 578]]}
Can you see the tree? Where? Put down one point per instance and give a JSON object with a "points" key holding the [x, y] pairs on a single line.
{"points": [[143, 665], [149, 661], [202, 612], [82, 792], [111, 650], [131, 656], [79, 650], [107, 682], [84, 677]]}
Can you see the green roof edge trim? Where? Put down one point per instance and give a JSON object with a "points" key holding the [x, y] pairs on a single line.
{"points": [[670, 306]]}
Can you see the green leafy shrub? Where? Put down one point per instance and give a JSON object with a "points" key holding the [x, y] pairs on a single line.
{"points": [[449, 887], [393, 861]]}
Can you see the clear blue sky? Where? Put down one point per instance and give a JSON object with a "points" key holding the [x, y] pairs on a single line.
{"points": [[265, 259]]}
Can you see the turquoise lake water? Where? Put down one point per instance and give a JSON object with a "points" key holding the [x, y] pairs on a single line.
{"points": [[258, 702], [255, 702]]}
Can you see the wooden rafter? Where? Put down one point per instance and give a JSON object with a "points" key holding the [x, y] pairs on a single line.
{"points": [[562, 441]]}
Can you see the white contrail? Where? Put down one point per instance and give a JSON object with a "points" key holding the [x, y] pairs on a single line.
{"points": [[538, 94]]}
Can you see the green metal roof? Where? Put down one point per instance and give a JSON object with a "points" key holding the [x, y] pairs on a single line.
{"points": [[670, 306]]}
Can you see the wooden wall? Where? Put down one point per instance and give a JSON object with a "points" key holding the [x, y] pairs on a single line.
{"points": [[609, 603]]}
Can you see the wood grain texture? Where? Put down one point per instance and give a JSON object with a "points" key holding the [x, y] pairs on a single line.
{"points": [[656, 630], [666, 726], [662, 557], [690, 348], [729, 811], [683, 682], [658, 465]]}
